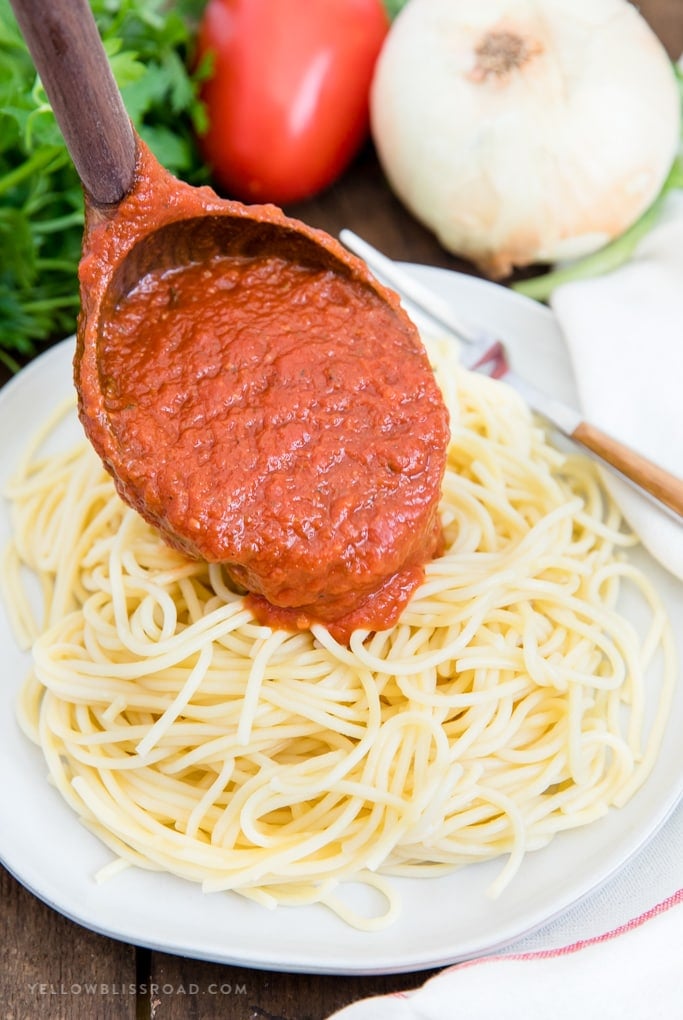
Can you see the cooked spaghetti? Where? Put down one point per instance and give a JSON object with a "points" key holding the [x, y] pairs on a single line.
{"points": [[508, 703]]}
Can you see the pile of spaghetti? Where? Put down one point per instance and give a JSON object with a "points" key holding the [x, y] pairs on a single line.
{"points": [[508, 703]]}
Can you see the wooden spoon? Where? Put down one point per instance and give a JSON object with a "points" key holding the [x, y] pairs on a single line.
{"points": [[168, 222], [360, 511]]}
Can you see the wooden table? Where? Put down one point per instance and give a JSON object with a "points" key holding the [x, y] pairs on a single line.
{"points": [[46, 961]]}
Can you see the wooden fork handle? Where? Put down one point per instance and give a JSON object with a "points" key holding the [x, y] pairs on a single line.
{"points": [[661, 484]]}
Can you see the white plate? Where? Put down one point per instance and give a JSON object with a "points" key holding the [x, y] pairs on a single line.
{"points": [[443, 920]]}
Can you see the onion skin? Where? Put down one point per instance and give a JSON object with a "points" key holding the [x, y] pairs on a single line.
{"points": [[524, 132]]}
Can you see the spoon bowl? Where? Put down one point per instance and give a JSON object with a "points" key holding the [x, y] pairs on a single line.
{"points": [[281, 417]]}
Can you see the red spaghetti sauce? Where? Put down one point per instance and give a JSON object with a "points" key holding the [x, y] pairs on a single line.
{"points": [[280, 419]]}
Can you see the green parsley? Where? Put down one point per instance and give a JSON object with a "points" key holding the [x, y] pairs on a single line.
{"points": [[149, 44]]}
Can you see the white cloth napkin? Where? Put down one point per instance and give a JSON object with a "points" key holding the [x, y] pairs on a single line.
{"points": [[632, 974], [618, 955], [624, 332]]}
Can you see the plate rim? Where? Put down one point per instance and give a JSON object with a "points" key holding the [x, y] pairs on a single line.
{"points": [[357, 963]]}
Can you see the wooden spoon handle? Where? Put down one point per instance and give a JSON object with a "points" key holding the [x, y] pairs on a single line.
{"points": [[667, 488], [67, 51]]}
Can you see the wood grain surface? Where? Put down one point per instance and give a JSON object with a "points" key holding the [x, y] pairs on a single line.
{"points": [[51, 967]]}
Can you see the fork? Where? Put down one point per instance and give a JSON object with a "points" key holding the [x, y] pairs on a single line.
{"points": [[483, 352]]}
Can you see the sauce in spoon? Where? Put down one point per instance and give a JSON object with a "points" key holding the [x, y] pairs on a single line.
{"points": [[266, 406], [255, 393]]}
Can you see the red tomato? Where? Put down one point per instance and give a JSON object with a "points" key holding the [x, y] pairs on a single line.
{"points": [[288, 97]]}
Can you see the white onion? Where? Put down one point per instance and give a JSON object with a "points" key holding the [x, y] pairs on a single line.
{"points": [[524, 131]]}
